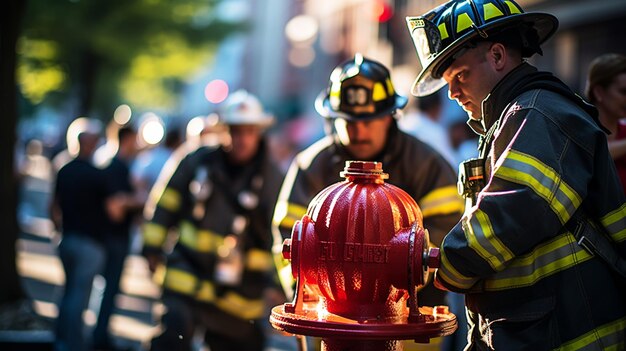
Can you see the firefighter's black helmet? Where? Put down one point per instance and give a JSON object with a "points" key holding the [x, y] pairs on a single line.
{"points": [[359, 89], [441, 33]]}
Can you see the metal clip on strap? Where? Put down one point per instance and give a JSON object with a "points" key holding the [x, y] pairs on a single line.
{"points": [[596, 243]]}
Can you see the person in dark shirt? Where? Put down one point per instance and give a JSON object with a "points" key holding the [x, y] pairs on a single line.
{"points": [[118, 227], [78, 210]]}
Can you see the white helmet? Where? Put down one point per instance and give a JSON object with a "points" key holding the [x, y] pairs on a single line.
{"points": [[242, 107]]}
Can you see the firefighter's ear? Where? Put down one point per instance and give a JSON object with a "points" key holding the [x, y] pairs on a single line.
{"points": [[497, 56]]}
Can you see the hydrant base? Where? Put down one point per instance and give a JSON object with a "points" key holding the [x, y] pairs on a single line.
{"points": [[312, 322]]}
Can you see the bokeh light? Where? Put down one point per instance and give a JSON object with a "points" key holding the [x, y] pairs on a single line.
{"points": [[151, 130], [195, 126], [216, 91], [301, 29], [79, 125], [122, 114], [382, 11]]}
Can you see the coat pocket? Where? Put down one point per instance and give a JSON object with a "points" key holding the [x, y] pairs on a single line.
{"points": [[527, 325]]}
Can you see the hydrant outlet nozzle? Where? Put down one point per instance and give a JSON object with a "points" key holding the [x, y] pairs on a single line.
{"points": [[287, 249]]}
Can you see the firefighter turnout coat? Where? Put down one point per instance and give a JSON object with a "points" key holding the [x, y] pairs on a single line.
{"points": [[412, 166], [218, 211], [529, 285]]}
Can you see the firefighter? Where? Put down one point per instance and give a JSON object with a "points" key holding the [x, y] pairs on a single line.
{"points": [[360, 109], [539, 254], [220, 200]]}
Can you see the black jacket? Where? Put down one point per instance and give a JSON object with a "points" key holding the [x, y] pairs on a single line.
{"points": [[207, 200], [528, 284]]}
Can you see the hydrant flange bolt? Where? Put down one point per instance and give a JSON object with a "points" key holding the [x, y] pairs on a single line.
{"points": [[433, 259]]}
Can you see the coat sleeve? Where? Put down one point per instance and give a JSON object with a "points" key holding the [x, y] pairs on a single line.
{"points": [[538, 179], [165, 204]]}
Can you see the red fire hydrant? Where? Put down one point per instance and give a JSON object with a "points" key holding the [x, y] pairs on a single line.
{"points": [[359, 256]]}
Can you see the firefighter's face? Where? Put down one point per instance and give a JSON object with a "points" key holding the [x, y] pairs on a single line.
{"points": [[471, 77], [363, 139], [245, 141]]}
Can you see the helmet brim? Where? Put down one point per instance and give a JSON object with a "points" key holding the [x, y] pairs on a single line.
{"points": [[425, 84], [322, 106], [264, 121]]}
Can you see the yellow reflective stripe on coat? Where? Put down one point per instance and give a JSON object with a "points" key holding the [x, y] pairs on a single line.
{"points": [[449, 274], [180, 281], [200, 240], [615, 223], [259, 260], [482, 239], [545, 260], [206, 241], [441, 201], [285, 275], [170, 200], [608, 337], [544, 181], [239, 306], [286, 214], [153, 234], [204, 291]]}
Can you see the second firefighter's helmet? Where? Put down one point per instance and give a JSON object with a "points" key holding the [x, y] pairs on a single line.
{"points": [[359, 89], [442, 33], [241, 107]]}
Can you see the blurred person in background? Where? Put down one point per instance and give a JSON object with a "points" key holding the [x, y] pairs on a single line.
{"points": [[128, 206], [220, 200], [78, 210], [35, 183], [35, 163], [606, 89], [463, 140], [543, 238], [425, 123], [363, 126], [147, 167], [72, 144]]}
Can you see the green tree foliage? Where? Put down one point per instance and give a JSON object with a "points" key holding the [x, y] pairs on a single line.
{"points": [[107, 52]]}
